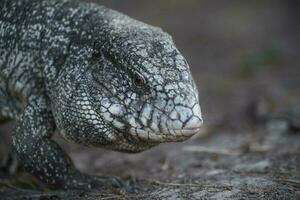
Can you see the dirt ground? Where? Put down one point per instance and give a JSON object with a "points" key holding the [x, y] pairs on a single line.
{"points": [[244, 56]]}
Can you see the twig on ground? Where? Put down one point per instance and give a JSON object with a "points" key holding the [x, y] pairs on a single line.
{"points": [[292, 182], [202, 149], [193, 185]]}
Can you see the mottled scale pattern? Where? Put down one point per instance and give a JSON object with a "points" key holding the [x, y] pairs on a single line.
{"points": [[94, 75]]}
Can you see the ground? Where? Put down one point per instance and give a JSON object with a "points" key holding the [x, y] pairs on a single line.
{"points": [[245, 60]]}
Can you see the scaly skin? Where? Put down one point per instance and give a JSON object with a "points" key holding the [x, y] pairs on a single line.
{"points": [[94, 75]]}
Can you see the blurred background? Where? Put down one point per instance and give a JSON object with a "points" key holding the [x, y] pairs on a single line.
{"points": [[245, 58]]}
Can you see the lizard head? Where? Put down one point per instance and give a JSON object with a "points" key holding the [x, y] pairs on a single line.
{"points": [[142, 86], [132, 91]]}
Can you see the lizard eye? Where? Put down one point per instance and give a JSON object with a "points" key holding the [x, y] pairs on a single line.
{"points": [[138, 80]]}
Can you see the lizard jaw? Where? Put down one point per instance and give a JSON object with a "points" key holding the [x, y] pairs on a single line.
{"points": [[175, 135], [187, 132]]}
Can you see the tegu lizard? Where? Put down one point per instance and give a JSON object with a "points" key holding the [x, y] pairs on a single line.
{"points": [[94, 75]]}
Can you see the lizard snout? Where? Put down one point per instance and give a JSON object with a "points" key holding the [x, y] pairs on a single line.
{"points": [[179, 125]]}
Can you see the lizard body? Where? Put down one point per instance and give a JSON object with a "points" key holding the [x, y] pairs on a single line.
{"points": [[96, 76]]}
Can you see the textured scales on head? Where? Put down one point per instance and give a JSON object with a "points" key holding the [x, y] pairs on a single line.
{"points": [[136, 90]]}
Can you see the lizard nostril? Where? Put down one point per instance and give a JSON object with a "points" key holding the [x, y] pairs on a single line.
{"points": [[138, 80]]}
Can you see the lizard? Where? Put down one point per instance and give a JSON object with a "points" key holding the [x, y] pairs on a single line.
{"points": [[94, 75]]}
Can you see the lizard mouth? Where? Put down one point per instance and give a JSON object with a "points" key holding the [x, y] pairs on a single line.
{"points": [[187, 132], [170, 135]]}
